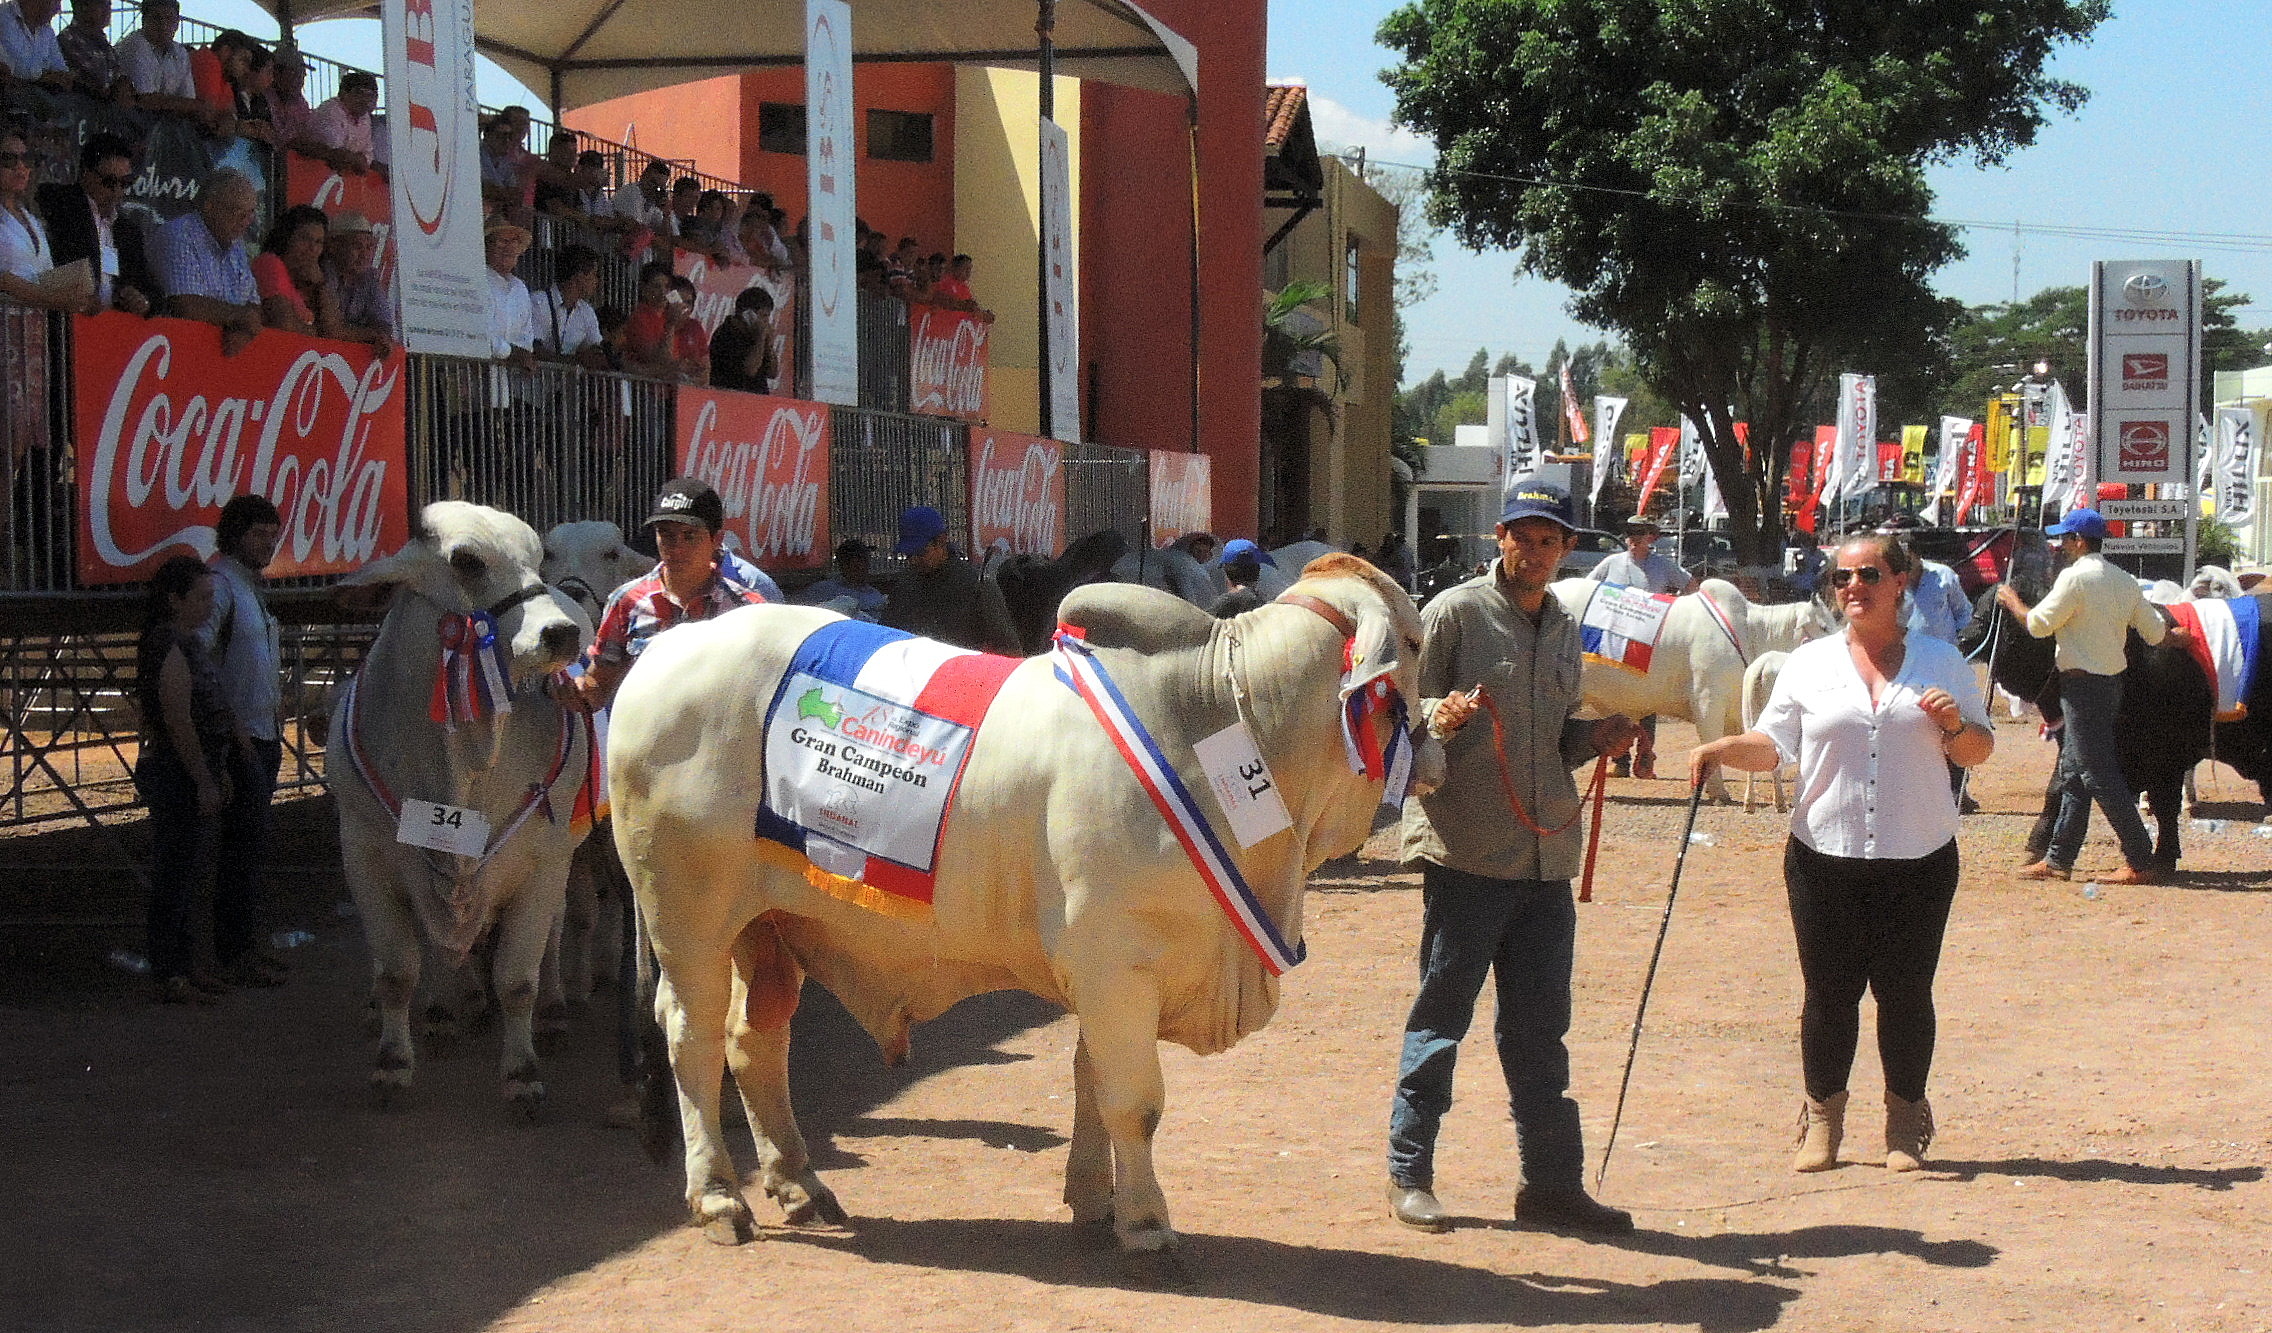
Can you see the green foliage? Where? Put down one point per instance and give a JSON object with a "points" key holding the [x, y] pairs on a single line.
{"points": [[1465, 408], [2216, 544], [1995, 344], [1735, 189]]}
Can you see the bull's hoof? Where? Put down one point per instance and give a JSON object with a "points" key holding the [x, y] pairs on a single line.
{"points": [[389, 1082], [525, 1096], [1162, 1269], [817, 1208], [724, 1219]]}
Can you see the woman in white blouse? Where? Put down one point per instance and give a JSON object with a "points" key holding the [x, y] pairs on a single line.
{"points": [[24, 253], [1872, 715]]}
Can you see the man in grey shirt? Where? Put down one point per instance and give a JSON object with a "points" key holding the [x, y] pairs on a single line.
{"points": [[1495, 880], [1639, 566], [246, 647]]}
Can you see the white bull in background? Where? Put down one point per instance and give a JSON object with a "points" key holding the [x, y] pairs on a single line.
{"points": [[1055, 873], [1696, 670], [463, 559], [1758, 687]]}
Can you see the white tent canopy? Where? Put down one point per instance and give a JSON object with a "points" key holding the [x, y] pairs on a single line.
{"points": [[586, 51]]}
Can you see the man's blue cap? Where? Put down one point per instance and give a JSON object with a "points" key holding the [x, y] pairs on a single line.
{"points": [[1534, 497], [1239, 548], [918, 528], [2085, 523]]}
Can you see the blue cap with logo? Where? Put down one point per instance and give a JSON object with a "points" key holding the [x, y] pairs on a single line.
{"points": [[918, 528], [1535, 497], [1239, 548], [2085, 523]]}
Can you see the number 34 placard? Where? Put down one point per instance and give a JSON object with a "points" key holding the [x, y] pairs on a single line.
{"points": [[443, 828], [1242, 783]]}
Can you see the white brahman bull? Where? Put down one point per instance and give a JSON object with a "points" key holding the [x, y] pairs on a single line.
{"points": [[1758, 687], [463, 559], [1696, 670], [1056, 875]]}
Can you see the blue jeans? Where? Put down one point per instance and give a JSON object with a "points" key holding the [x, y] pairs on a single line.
{"points": [[2090, 769], [240, 849], [1524, 933]]}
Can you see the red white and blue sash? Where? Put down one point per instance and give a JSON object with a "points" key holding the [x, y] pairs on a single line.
{"points": [[2227, 634], [1362, 701], [866, 740], [1078, 667]]}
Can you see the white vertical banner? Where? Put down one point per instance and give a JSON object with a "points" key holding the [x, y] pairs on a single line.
{"points": [[1522, 428], [2236, 467], [1062, 294], [1607, 410], [434, 144], [830, 207], [1954, 432], [1856, 457], [2059, 478]]}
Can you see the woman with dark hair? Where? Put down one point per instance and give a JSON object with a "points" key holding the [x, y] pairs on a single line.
{"points": [[1872, 715], [289, 271], [181, 772]]}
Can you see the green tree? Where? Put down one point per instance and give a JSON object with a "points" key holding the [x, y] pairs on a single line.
{"points": [[1735, 189], [1993, 345]]}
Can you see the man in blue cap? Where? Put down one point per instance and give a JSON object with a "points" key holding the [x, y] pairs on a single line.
{"points": [[1242, 568], [2091, 608], [1495, 867], [940, 596]]}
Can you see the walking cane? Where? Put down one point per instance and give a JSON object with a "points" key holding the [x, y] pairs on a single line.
{"points": [[1648, 979]]}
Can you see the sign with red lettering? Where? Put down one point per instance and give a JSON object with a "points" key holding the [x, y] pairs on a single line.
{"points": [[308, 181], [1182, 500], [716, 288], [436, 181], [1017, 493], [170, 429], [768, 457], [946, 352]]}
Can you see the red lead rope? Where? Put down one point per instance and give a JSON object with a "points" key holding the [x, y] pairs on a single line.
{"points": [[1597, 789]]}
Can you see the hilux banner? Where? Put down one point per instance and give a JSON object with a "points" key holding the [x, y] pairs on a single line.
{"points": [[308, 181], [170, 430], [768, 457], [717, 286], [946, 351], [1181, 497], [1017, 493]]}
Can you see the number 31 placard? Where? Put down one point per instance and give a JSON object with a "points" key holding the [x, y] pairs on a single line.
{"points": [[1242, 783], [443, 828]]}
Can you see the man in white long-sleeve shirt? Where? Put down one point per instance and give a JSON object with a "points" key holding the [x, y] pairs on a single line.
{"points": [[2091, 608]]}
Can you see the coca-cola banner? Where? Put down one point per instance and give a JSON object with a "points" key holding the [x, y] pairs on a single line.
{"points": [[169, 430], [946, 352], [1017, 493], [308, 181], [1182, 500], [717, 286], [768, 457]]}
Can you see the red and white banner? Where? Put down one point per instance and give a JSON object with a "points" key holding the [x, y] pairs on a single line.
{"points": [[432, 122], [768, 457], [1974, 479], [1889, 461], [1663, 441], [946, 352], [1017, 493], [1182, 499], [1573, 415], [169, 430], [716, 288], [308, 181]]}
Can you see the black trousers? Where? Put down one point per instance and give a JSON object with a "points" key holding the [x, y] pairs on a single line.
{"points": [[240, 849], [1876, 924], [181, 858]]}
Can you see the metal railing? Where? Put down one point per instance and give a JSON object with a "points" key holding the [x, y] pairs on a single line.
{"points": [[1107, 487], [35, 454], [883, 352], [882, 462]]}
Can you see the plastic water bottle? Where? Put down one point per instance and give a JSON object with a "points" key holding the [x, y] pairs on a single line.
{"points": [[1701, 839], [2264, 830], [2090, 890], [126, 960], [290, 939]]}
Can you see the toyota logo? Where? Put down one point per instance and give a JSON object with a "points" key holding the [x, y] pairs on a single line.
{"points": [[2146, 289]]}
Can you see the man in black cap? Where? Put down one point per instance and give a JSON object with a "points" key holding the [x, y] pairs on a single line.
{"points": [[940, 596], [1495, 880], [687, 584]]}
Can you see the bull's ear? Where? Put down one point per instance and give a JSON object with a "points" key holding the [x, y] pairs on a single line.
{"points": [[1377, 649], [368, 590]]}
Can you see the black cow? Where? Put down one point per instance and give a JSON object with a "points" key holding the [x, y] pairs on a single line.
{"points": [[2161, 732], [1033, 586]]}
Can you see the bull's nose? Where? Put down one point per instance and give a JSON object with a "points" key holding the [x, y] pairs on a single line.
{"points": [[559, 640]]}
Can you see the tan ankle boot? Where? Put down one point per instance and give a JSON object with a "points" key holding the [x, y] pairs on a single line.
{"points": [[1908, 1132], [1822, 1126]]}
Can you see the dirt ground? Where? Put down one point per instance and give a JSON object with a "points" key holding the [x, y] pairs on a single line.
{"points": [[2104, 1068]]}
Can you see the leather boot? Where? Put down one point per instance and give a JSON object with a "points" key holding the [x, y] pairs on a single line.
{"points": [[1416, 1207], [1908, 1132], [1569, 1209], [1822, 1127]]}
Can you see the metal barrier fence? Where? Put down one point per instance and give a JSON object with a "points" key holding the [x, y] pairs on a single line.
{"points": [[550, 444], [882, 462], [1108, 487], [35, 452], [883, 352]]}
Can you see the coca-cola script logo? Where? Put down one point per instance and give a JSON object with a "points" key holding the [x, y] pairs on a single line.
{"points": [[170, 430], [1181, 494], [768, 457], [1017, 493], [947, 363]]}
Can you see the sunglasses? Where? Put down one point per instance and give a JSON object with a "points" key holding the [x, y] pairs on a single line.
{"points": [[1868, 574], [17, 160]]}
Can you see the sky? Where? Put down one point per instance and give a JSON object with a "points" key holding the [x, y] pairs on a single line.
{"points": [[2175, 138]]}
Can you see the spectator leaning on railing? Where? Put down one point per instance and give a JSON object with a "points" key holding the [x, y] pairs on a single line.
{"points": [[289, 271], [28, 50], [567, 328], [359, 305], [587, 199], [254, 76], [85, 43], [201, 264], [512, 316], [644, 202], [341, 127], [288, 109], [25, 259], [87, 220], [741, 351], [158, 67]]}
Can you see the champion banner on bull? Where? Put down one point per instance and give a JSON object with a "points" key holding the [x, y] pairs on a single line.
{"points": [[316, 426], [946, 354], [1606, 412], [768, 458], [1181, 494], [1017, 493], [436, 176]]}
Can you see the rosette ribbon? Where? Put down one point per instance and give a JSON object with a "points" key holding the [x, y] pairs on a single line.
{"points": [[1362, 701], [470, 682]]}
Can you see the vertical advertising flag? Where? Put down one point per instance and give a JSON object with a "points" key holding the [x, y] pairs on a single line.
{"points": [[1606, 412], [829, 153], [1573, 416], [1973, 476], [2236, 466], [1945, 463], [1854, 461], [1663, 441], [1913, 454], [434, 146], [2061, 483], [1064, 350], [1521, 444]]}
